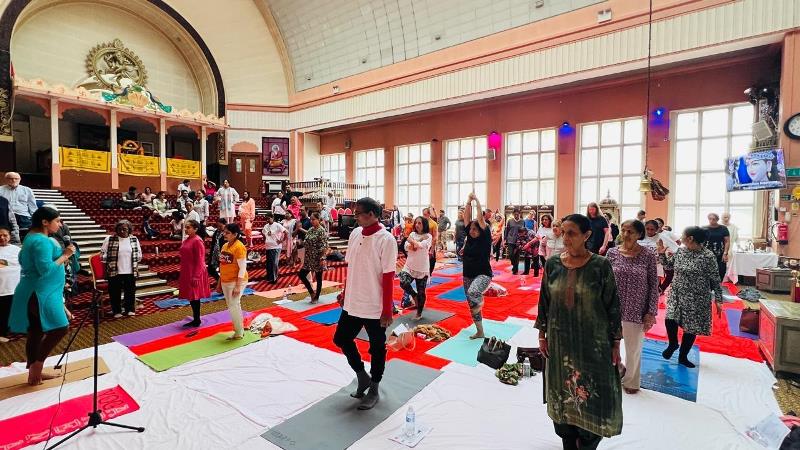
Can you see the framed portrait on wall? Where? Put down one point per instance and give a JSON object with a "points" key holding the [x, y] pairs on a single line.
{"points": [[275, 156]]}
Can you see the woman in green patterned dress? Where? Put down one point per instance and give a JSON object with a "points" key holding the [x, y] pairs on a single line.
{"points": [[316, 245], [579, 332]]}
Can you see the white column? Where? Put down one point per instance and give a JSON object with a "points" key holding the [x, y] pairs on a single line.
{"points": [[113, 135], [55, 154], [162, 154], [203, 145]]}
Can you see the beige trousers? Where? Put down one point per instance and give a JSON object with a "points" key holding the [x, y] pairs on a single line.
{"points": [[633, 336]]}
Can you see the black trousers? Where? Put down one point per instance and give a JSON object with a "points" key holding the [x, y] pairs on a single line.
{"points": [[5, 312], [117, 285], [722, 266], [213, 271], [421, 283], [303, 274], [668, 274], [346, 331], [432, 261], [513, 255], [686, 343], [535, 265], [574, 438], [40, 344], [497, 250]]}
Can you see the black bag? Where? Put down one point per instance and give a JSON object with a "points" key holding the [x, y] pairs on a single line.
{"points": [[494, 352], [534, 355], [107, 203]]}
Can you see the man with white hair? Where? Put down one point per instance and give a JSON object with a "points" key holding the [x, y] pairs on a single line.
{"points": [[21, 201]]}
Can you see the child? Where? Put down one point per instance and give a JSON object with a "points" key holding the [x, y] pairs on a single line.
{"points": [[176, 224], [147, 230], [529, 249], [417, 268]]}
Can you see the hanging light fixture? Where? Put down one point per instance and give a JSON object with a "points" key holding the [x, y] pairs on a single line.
{"points": [[644, 183]]}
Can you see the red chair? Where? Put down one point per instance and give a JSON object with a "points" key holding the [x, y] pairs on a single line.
{"points": [[99, 282]]}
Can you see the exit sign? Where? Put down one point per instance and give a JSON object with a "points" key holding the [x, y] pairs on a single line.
{"points": [[793, 171]]}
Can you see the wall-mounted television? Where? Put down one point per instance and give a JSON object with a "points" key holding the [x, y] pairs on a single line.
{"points": [[762, 169]]}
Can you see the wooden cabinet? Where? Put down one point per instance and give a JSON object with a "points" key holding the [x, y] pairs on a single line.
{"points": [[779, 334]]}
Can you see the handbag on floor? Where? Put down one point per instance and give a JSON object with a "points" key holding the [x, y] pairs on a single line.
{"points": [[534, 355], [749, 321], [494, 352]]}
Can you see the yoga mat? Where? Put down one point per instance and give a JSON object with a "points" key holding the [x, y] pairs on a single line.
{"points": [[428, 316], [181, 354], [58, 420], [734, 316], [433, 281], [450, 271], [278, 293], [152, 334], [172, 302], [328, 317], [305, 304], [14, 385], [454, 295], [336, 423], [667, 376], [461, 349]]}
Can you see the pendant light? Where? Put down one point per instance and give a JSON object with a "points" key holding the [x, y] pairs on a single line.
{"points": [[644, 183]]}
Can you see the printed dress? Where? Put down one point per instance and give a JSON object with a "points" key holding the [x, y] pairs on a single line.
{"points": [[580, 313], [315, 244], [696, 276]]}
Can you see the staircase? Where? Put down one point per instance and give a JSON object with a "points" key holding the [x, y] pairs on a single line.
{"points": [[89, 236]]}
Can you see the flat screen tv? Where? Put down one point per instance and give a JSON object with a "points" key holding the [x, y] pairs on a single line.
{"points": [[762, 169]]}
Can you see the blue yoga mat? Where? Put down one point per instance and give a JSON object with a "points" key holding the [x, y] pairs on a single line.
{"points": [[734, 317], [461, 349], [328, 317], [433, 281], [450, 271], [454, 295], [667, 376], [170, 302]]}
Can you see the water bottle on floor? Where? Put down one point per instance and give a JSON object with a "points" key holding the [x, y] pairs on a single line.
{"points": [[285, 295], [410, 427], [526, 368]]}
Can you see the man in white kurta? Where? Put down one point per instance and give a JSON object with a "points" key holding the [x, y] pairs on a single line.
{"points": [[227, 198]]}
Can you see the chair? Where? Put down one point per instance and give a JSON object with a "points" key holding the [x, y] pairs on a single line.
{"points": [[99, 282]]}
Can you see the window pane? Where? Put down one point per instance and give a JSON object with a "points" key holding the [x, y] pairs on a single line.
{"points": [[630, 191], [466, 170], [513, 144], [425, 194], [379, 194], [704, 211], [547, 193], [402, 174], [463, 190], [685, 216], [611, 133], [413, 153], [413, 195], [513, 170], [547, 140], [467, 148], [742, 198], [480, 169], [589, 135], [370, 159], [480, 147], [588, 190], [379, 157], [687, 125], [712, 188], [326, 163], [685, 188], [513, 193], [628, 212], [742, 119], [452, 195], [609, 161], [633, 131], [480, 192], [452, 149], [609, 187], [686, 156], [530, 142], [380, 174], [589, 161], [530, 193], [547, 168], [402, 155], [413, 173], [713, 153], [632, 162], [715, 122], [402, 195], [341, 161], [741, 216], [741, 145], [425, 172], [361, 159], [453, 173], [425, 152], [530, 164]]}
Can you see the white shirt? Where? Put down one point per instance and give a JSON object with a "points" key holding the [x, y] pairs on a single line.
{"points": [[417, 263], [368, 258], [201, 207], [650, 241], [277, 208], [330, 202], [9, 275], [124, 255], [554, 246], [545, 232], [20, 199], [273, 235], [183, 187]]}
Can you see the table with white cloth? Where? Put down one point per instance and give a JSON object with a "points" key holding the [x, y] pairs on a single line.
{"points": [[746, 263]]}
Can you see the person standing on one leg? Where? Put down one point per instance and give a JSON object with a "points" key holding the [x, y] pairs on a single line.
{"points": [[510, 236], [460, 233], [233, 276], [274, 236], [193, 280], [477, 268], [416, 268], [689, 302], [433, 225], [367, 298]]}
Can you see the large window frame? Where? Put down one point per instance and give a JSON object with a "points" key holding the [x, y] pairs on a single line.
{"points": [[370, 166], [465, 170], [530, 167], [413, 177], [333, 167]]}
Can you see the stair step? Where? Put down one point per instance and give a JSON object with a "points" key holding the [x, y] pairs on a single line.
{"points": [[84, 226], [154, 290], [87, 232], [149, 282]]}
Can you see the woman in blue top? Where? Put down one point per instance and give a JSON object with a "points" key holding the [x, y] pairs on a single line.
{"points": [[38, 304]]}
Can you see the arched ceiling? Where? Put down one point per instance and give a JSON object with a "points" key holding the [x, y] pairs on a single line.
{"points": [[329, 40]]}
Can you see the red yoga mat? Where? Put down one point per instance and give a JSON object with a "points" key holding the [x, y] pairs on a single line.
{"points": [[34, 427]]}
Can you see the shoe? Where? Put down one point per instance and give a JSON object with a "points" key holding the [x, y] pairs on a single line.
{"points": [[130, 314], [4, 340], [371, 399], [363, 383], [117, 315]]}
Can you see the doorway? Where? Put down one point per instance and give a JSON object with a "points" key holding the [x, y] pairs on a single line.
{"points": [[245, 173]]}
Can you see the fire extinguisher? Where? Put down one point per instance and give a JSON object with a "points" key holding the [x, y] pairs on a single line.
{"points": [[783, 233]]}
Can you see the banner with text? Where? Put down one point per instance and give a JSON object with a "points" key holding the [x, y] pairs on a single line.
{"points": [[182, 168], [88, 160], [138, 165]]}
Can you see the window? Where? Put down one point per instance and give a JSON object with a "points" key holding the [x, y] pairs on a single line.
{"points": [[333, 167], [703, 140], [611, 156], [466, 172], [413, 178], [369, 170], [530, 167]]}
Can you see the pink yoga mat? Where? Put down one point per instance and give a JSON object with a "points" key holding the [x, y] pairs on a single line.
{"points": [[34, 427], [152, 334]]}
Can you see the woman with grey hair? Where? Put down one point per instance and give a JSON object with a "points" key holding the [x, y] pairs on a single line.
{"points": [[121, 254]]}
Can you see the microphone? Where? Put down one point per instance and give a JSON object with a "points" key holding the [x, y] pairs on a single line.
{"points": [[67, 240]]}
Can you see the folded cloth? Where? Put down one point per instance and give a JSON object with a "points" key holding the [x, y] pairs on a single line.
{"points": [[433, 332], [509, 373], [750, 294], [267, 324], [495, 290]]}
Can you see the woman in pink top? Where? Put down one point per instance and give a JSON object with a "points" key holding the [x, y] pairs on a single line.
{"points": [[193, 280], [247, 214], [294, 206]]}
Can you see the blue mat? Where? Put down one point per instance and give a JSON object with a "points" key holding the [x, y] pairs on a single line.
{"points": [[454, 295], [667, 376], [450, 271], [170, 302], [433, 281], [734, 317], [461, 349], [328, 317]]}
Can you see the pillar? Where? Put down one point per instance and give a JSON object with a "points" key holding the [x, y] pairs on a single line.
{"points": [[55, 154], [162, 154], [113, 138], [789, 105], [203, 156]]}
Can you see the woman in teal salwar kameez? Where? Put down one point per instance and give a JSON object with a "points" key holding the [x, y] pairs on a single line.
{"points": [[580, 329], [38, 305]]}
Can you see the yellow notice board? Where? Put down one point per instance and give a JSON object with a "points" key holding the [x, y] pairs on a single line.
{"points": [[88, 160], [138, 165], [182, 168]]}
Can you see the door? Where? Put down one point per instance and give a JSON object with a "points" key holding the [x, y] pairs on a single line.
{"points": [[245, 173]]}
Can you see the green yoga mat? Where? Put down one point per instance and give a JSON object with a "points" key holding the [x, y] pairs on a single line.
{"points": [[336, 423], [202, 348], [461, 349]]}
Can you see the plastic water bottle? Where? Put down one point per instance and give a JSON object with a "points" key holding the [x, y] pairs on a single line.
{"points": [[526, 368], [410, 427], [285, 295], [156, 250]]}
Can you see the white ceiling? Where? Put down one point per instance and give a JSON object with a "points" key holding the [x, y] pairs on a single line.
{"points": [[327, 40]]}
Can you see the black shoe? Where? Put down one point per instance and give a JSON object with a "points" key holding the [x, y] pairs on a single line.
{"points": [[363, 383], [192, 324], [371, 399], [667, 354]]}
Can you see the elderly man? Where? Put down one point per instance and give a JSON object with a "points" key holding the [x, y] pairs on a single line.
{"points": [[21, 201]]}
